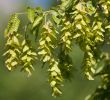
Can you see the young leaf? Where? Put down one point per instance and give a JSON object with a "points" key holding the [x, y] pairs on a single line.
{"points": [[37, 20], [31, 14]]}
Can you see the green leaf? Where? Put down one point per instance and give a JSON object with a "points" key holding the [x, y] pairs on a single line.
{"points": [[29, 59], [55, 17], [14, 63], [6, 53], [15, 40], [42, 42], [56, 91], [68, 42], [46, 58], [38, 10], [37, 20], [107, 27], [76, 36], [80, 6], [24, 58], [26, 48], [79, 16], [93, 70], [48, 39], [9, 60], [31, 53], [56, 20], [9, 67], [31, 14], [55, 68], [83, 22], [89, 76], [28, 71], [23, 43], [43, 52], [53, 83], [53, 73], [78, 26], [13, 53]]}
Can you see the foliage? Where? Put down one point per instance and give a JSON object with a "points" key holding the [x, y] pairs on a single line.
{"points": [[85, 23]]}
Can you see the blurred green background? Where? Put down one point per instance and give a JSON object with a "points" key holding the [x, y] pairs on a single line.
{"points": [[16, 86]]}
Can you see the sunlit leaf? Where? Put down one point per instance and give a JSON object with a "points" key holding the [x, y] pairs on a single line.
{"points": [[37, 20], [26, 48], [31, 14]]}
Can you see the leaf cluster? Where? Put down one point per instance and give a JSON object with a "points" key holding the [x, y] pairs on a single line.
{"points": [[56, 31]]}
